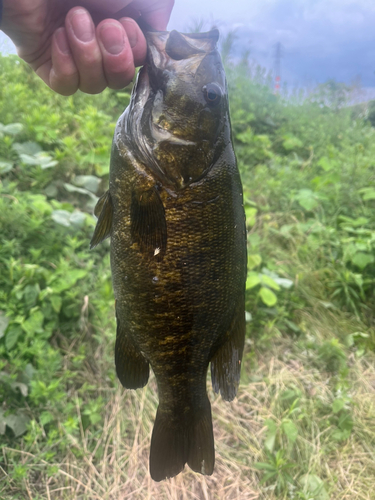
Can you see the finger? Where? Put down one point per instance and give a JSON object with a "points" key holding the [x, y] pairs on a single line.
{"points": [[136, 39], [64, 77], [117, 54], [86, 52]]}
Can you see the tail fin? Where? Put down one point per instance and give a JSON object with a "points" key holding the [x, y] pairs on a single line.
{"points": [[175, 442]]}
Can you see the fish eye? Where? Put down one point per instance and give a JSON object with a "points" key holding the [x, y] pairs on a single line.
{"points": [[212, 94]]}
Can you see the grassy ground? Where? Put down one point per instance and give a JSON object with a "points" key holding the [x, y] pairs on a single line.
{"points": [[281, 383]]}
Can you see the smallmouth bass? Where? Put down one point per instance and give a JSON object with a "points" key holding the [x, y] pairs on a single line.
{"points": [[174, 212]]}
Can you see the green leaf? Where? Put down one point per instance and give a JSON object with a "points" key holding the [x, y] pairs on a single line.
{"points": [[89, 182], [307, 199], [18, 423], [252, 281], [362, 260], [28, 148], [253, 260], [251, 214], [56, 303], [270, 282], [34, 324], [12, 128], [30, 295], [62, 217], [326, 163], [338, 405], [4, 322], [5, 166], [267, 296], [290, 430], [290, 143], [314, 487], [73, 189], [13, 332], [367, 193], [269, 442]]}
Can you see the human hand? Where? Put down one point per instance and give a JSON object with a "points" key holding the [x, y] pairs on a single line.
{"points": [[72, 47]]}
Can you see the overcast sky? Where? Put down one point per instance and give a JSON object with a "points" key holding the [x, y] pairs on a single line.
{"points": [[321, 39]]}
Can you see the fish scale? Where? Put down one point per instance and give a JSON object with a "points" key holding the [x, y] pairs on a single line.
{"points": [[175, 216]]}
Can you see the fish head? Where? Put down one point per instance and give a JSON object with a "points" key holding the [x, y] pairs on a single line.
{"points": [[179, 113]]}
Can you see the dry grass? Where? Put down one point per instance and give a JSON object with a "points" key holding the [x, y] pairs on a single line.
{"points": [[114, 466]]}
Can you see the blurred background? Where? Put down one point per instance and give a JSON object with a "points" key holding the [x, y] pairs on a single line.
{"points": [[301, 80]]}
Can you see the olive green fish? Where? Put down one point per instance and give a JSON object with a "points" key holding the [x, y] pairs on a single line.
{"points": [[174, 212]]}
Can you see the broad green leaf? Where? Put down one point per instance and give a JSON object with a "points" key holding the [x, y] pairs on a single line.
{"points": [[28, 148], [13, 332], [30, 295], [338, 405], [12, 128], [56, 302], [5, 166], [314, 487], [251, 214], [267, 296], [17, 422], [89, 182], [290, 430], [4, 322], [368, 193], [269, 442], [62, 217], [34, 324], [73, 189], [77, 219], [252, 281], [362, 260], [291, 143], [270, 282], [307, 199], [326, 163], [253, 260], [248, 317]]}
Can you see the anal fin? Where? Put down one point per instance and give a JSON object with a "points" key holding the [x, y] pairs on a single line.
{"points": [[131, 366], [104, 211], [226, 363]]}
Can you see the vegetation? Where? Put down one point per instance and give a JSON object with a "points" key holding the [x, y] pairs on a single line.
{"points": [[303, 425]]}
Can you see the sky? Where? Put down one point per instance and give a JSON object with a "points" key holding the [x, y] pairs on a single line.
{"points": [[321, 39]]}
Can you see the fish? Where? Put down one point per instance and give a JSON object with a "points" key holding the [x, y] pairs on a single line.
{"points": [[174, 213]]}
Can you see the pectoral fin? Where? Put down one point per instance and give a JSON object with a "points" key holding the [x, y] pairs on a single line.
{"points": [[148, 223], [226, 363], [104, 211], [131, 366]]}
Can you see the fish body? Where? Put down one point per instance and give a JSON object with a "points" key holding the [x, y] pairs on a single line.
{"points": [[174, 212]]}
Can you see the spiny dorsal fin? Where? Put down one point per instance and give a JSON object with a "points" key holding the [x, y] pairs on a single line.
{"points": [[148, 223], [104, 211]]}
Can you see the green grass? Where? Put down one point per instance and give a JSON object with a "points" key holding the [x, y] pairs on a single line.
{"points": [[303, 424]]}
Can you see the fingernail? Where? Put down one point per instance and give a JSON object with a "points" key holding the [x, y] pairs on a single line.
{"points": [[131, 32], [82, 25], [62, 41], [112, 37]]}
